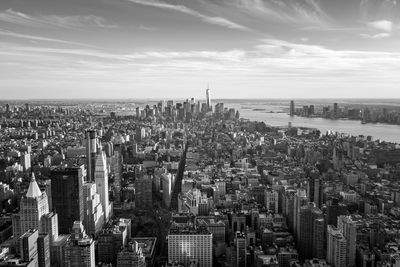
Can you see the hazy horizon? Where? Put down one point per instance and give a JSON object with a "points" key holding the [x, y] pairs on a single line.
{"points": [[285, 49]]}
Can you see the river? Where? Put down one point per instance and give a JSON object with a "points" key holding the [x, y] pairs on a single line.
{"points": [[261, 111]]}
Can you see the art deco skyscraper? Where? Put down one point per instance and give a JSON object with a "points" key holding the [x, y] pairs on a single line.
{"points": [[101, 179], [33, 207]]}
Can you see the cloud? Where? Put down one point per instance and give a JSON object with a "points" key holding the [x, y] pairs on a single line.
{"points": [[39, 38], [375, 36], [75, 21], [223, 22], [382, 25], [285, 11]]}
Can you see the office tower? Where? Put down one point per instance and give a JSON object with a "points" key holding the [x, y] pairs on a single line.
{"points": [[132, 256], [101, 179], [308, 216], [79, 250], [299, 201], [349, 230], [110, 241], [208, 95], [32, 208], [28, 247], [240, 250], [91, 150], [271, 200], [238, 223], [43, 250], [93, 219], [288, 207], [167, 188], [67, 193], [335, 110], [319, 238], [336, 247], [25, 160], [185, 245], [143, 192], [334, 210], [292, 111], [116, 170], [50, 226]]}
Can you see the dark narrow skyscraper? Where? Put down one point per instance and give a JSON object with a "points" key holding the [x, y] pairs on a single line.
{"points": [[67, 194], [91, 149], [292, 108]]}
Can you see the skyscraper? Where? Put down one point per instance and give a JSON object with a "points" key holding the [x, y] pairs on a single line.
{"points": [[101, 179], [32, 209], [91, 150], [143, 190], [309, 246], [240, 250], [67, 194], [94, 215], [209, 105], [336, 247], [292, 111], [28, 247], [348, 228], [79, 250]]}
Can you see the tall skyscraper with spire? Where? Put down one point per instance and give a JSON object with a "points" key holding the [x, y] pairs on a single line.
{"points": [[208, 95]]}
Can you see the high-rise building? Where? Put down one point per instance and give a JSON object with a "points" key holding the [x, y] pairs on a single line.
{"points": [[67, 194], [33, 207], [292, 110], [28, 247], [132, 256], [271, 200], [319, 239], [43, 250], [50, 226], [349, 230], [299, 201], [240, 252], [308, 245], [110, 241], [143, 192], [101, 179], [79, 250], [167, 188], [208, 95], [334, 210], [188, 244], [93, 219], [336, 247], [91, 150]]}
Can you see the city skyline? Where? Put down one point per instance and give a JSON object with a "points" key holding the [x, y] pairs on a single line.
{"points": [[172, 49]]}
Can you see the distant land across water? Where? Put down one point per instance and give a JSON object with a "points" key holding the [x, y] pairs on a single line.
{"points": [[275, 113]]}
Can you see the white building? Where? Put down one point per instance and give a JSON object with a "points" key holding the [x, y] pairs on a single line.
{"points": [[93, 219], [101, 179], [336, 247], [185, 245]]}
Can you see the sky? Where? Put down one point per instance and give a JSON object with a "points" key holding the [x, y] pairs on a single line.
{"points": [[164, 49]]}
